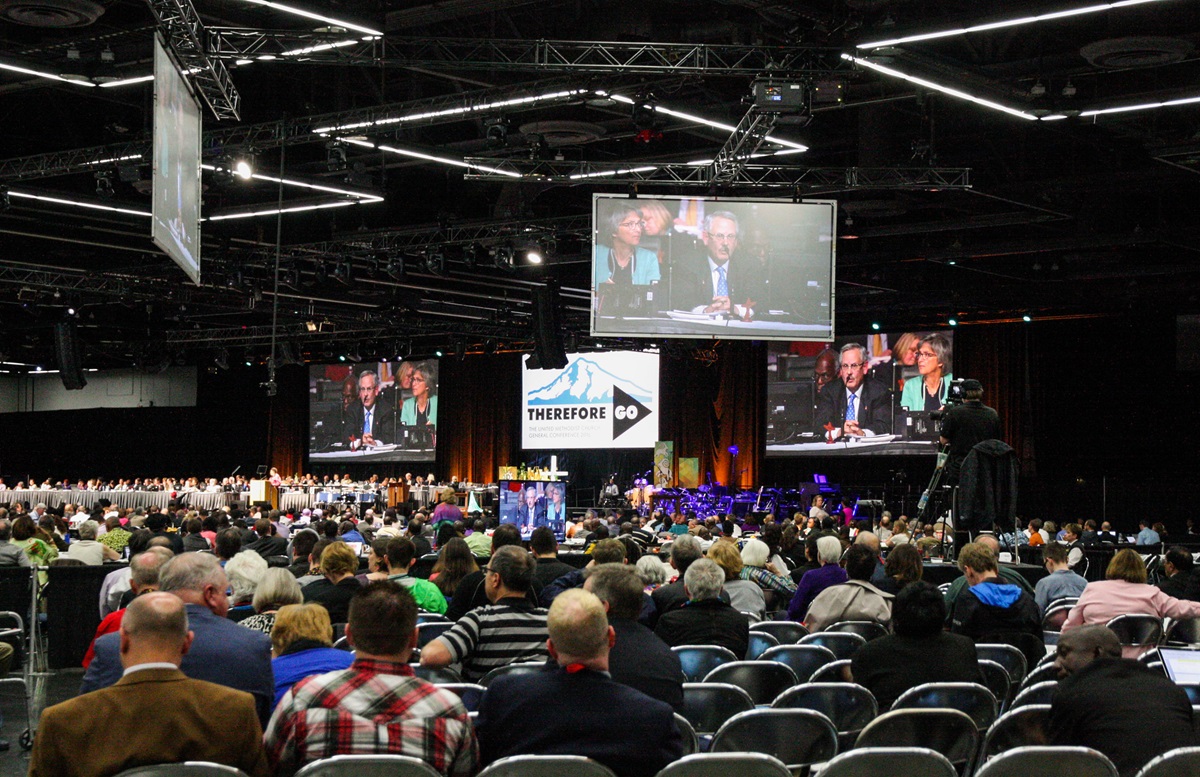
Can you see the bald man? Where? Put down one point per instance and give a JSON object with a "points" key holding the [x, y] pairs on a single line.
{"points": [[154, 714], [568, 710], [1118, 706]]}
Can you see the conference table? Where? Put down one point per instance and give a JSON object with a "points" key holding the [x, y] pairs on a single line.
{"points": [[161, 499], [880, 445]]}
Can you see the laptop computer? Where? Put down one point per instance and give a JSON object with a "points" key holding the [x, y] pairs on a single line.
{"points": [[1182, 665]]}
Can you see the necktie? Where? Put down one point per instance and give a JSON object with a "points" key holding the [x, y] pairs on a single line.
{"points": [[722, 283], [850, 414], [367, 422]]}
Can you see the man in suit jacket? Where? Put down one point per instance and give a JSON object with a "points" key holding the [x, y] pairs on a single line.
{"points": [[154, 714], [714, 284], [532, 513], [222, 652], [372, 422], [569, 709], [871, 409]]}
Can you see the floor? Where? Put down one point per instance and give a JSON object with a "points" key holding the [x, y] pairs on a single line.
{"points": [[59, 686]]}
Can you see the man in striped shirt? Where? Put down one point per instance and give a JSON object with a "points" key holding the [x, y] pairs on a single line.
{"points": [[377, 705], [507, 631]]}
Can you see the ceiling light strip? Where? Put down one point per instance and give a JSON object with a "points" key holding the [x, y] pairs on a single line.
{"points": [[319, 47], [318, 17], [431, 158], [609, 173], [995, 106], [40, 74], [77, 203], [1017, 22], [127, 81], [305, 185], [461, 110], [694, 119], [292, 209], [1141, 107]]}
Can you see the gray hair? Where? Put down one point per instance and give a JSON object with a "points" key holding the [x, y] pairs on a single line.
{"points": [[870, 539], [720, 214], [851, 347], [88, 529], [245, 570], [276, 588], [515, 566], [829, 549], [940, 346], [145, 568], [685, 550], [613, 222], [704, 579], [651, 570], [159, 617], [191, 572], [755, 553], [372, 373]]}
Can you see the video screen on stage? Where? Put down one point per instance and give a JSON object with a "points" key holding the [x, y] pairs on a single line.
{"points": [[599, 400], [176, 180], [530, 504], [900, 382], [385, 411], [714, 268]]}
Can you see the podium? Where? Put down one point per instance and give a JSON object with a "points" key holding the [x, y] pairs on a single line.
{"points": [[397, 494], [263, 491]]}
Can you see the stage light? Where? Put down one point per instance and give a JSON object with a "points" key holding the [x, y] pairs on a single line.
{"points": [[310, 326], [435, 263], [471, 256], [341, 272], [496, 132], [1002, 24], [243, 169], [502, 257], [395, 268], [939, 87], [953, 322], [335, 156], [875, 326], [221, 360], [438, 354], [1026, 318], [318, 17], [104, 187]]}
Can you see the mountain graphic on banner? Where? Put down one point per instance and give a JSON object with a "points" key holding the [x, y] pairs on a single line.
{"points": [[584, 382]]}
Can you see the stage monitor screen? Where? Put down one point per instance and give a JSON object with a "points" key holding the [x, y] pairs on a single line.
{"points": [[901, 381], [376, 411], [176, 180], [530, 504], [599, 400], [701, 267]]}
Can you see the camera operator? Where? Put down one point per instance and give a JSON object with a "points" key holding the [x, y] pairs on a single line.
{"points": [[965, 425]]}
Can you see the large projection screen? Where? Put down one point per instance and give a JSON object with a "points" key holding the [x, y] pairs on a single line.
{"points": [[374, 411], [599, 400], [750, 269], [176, 205], [899, 395]]}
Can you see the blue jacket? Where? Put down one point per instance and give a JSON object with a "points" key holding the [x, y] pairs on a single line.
{"points": [[291, 668], [222, 652]]}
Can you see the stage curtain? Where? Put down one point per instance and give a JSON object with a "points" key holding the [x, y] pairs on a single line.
{"points": [[287, 441], [998, 356], [478, 416]]}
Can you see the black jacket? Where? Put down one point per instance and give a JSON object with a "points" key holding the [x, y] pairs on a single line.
{"points": [[706, 622], [641, 660], [874, 409], [997, 611], [987, 486]]}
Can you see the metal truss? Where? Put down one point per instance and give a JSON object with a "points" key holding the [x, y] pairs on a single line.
{"points": [[741, 145], [540, 55], [678, 174], [185, 37]]}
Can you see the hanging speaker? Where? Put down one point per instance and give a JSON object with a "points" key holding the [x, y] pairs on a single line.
{"points": [[547, 327], [66, 352]]}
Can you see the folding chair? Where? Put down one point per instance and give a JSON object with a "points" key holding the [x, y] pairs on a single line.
{"points": [[427, 632], [1019, 727], [368, 766], [787, 632], [726, 764], [868, 630], [546, 766], [526, 667], [708, 705], [763, 680], [1184, 632], [889, 762], [1180, 762], [1137, 630], [699, 660], [972, 698], [1049, 762], [949, 732], [186, 769], [798, 738], [804, 660], [1041, 693], [843, 644], [1044, 673], [1007, 656], [759, 643], [691, 743], [831, 673], [996, 678], [848, 706], [470, 693], [438, 675]]}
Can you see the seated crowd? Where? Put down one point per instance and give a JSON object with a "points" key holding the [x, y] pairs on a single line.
{"points": [[257, 640]]}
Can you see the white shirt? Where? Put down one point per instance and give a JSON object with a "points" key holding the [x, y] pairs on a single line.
{"points": [[151, 665]]}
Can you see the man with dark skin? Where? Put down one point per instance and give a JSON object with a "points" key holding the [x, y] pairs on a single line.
{"points": [[825, 369]]}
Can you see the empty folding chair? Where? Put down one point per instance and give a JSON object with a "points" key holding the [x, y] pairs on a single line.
{"points": [[804, 660], [787, 632], [1137, 631], [526, 667], [1049, 762], [707, 705], [889, 762], [763, 680], [546, 766], [843, 644], [368, 766], [849, 706], [1007, 656], [1019, 727], [996, 678], [796, 737], [699, 660], [949, 732], [759, 643], [1184, 632], [438, 675], [868, 630], [726, 764], [1180, 762], [831, 673], [1041, 693], [972, 698], [430, 617]]}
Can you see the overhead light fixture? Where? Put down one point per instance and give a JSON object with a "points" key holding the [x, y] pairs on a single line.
{"points": [[243, 169], [127, 81], [1026, 318], [42, 74], [318, 17], [953, 321], [1021, 20], [534, 255], [435, 262], [321, 47], [432, 158], [254, 212], [310, 326], [395, 268], [939, 87], [502, 257], [1141, 107], [694, 119], [77, 203], [457, 111], [608, 173], [496, 132]]}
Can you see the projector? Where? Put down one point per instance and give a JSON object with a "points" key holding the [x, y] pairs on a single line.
{"points": [[780, 97]]}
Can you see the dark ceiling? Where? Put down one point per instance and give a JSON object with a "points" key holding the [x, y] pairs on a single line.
{"points": [[1084, 216]]}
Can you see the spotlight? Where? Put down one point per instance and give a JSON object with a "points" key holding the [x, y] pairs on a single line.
{"points": [[341, 272], [438, 353], [1069, 90], [471, 256], [221, 360], [104, 187], [533, 255], [335, 156], [435, 262], [644, 114], [395, 268], [953, 322], [1038, 89], [875, 325], [502, 257], [460, 349], [489, 347], [243, 169], [1026, 318], [496, 132], [310, 326]]}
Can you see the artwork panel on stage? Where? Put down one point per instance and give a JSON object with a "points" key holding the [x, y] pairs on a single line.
{"points": [[373, 412], [901, 381], [689, 472], [664, 464]]}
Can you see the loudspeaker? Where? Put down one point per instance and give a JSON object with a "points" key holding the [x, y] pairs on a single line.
{"points": [[548, 348], [66, 352]]}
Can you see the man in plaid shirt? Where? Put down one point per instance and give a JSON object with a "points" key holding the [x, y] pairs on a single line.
{"points": [[377, 705]]}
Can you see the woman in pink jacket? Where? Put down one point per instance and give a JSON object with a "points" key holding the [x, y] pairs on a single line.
{"points": [[1126, 592]]}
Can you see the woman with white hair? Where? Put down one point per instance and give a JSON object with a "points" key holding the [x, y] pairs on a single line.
{"points": [[829, 553], [245, 571], [652, 571], [756, 566], [278, 588]]}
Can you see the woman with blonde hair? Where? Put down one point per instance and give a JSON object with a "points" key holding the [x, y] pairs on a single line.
{"points": [[302, 645], [744, 595]]}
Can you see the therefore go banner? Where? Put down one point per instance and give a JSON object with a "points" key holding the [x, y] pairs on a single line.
{"points": [[599, 400]]}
